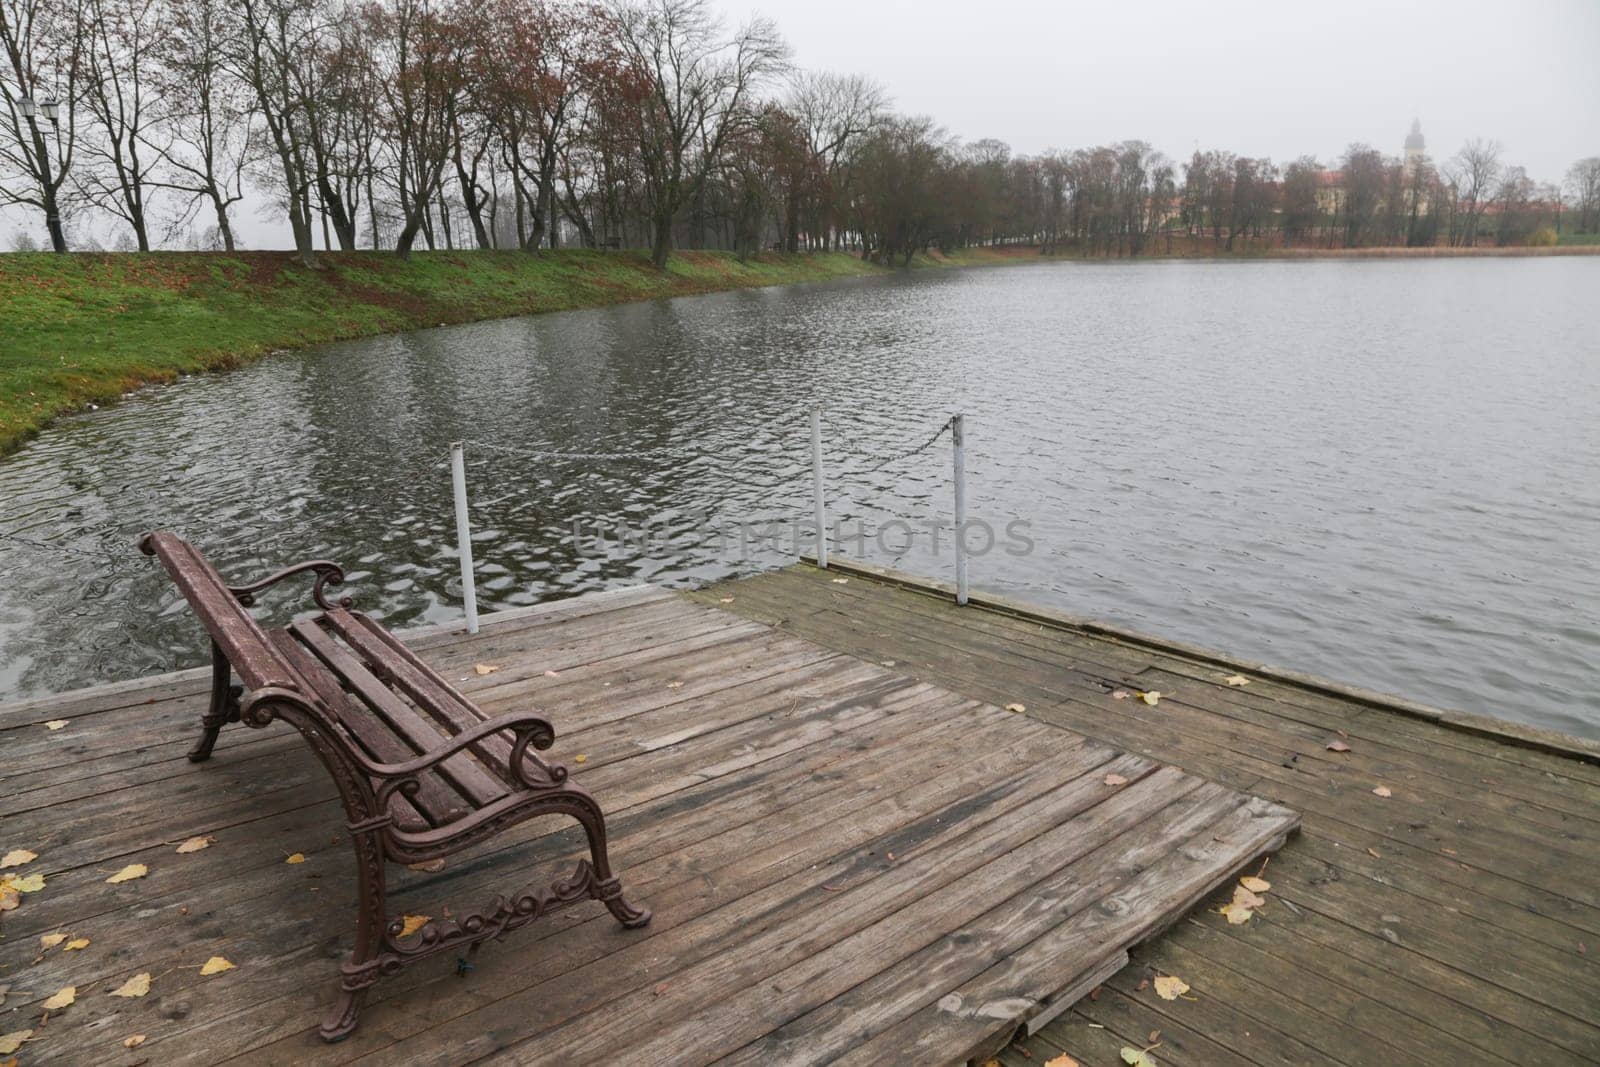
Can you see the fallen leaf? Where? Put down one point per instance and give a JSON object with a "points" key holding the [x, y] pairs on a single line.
{"points": [[31, 884], [1170, 987], [51, 940], [1136, 1057], [1153, 1037], [1016, 707], [9, 898], [725, 600], [674, 685], [133, 1041], [1115, 780], [412, 923], [1153, 697], [62, 999], [485, 668], [1237, 679], [1337, 746], [580, 758], [1254, 884], [430, 867], [76, 943], [137, 986], [551, 674], [1119, 694], [1374, 853], [17, 857], [840, 581], [56, 724], [1382, 791], [298, 857], [1144, 983], [195, 844], [1245, 898], [9, 1043], [216, 965], [1236, 914], [129, 873], [1062, 1060]]}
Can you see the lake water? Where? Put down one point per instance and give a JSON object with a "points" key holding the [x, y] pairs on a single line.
{"points": [[1383, 471]]}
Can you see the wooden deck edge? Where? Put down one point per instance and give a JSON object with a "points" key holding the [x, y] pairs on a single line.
{"points": [[1537, 738], [197, 679]]}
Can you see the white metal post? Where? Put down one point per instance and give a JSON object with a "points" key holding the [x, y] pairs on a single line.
{"points": [[958, 438], [469, 594], [816, 487]]}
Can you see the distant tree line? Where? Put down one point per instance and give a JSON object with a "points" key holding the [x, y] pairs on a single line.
{"points": [[631, 124]]}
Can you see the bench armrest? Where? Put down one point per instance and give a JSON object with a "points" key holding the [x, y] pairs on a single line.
{"points": [[327, 572], [526, 769]]}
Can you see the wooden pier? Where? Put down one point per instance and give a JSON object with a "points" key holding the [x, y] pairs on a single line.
{"points": [[873, 827]]}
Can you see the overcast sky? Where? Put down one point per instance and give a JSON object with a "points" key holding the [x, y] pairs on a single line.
{"points": [[1275, 79]]}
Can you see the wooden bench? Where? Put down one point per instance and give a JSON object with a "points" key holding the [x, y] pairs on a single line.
{"points": [[422, 772]]}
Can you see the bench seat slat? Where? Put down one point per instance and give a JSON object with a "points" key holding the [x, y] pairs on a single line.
{"points": [[474, 783], [417, 680], [436, 802]]}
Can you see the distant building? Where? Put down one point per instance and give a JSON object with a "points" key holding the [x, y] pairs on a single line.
{"points": [[1330, 183], [1416, 148]]}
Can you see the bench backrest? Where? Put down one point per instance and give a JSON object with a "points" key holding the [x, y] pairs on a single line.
{"points": [[231, 626]]}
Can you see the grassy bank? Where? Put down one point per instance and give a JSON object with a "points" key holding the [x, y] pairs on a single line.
{"points": [[84, 329]]}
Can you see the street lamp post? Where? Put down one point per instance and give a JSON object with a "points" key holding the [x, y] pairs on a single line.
{"points": [[31, 109]]}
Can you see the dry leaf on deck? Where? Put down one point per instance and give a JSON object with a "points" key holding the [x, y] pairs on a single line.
{"points": [[76, 943], [9, 898], [410, 924], [1115, 780], [1337, 746], [1170, 987], [51, 940], [1236, 914], [137, 986], [31, 884], [195, 844], [56, 724], [17, 857], [129, 873], [62, 999], [840, 581], [430, 867], [1254, 884], [1382, 791], [725, 600], [9, 1043], [1237, 679], [1062, 1060], [1119, 694], [580, 758], [133, 1041], [1136, 1057], [216, 965], [485, 668], [1016, 707], [1247, 899], [1153, 697], [298, 857]]}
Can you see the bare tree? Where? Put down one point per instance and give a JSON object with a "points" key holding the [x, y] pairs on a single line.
{"points": [[834, 111], [1475, 171], [43, 46], [122, 40], [1583, 185], [275, 37]]}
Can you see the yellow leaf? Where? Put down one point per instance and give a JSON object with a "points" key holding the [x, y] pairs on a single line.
{"points": [[137, 986], [129, 873], [298, 857], [62, 999], [412, 924], [17, 857], [216, 965], [1062, 1060], [1237, 914], [580, 758], [840, 581], [1136, 1057], [1237, 679], [51, 940], [1016, 707], [1115, 780], [31, 884], [9, 898], [1152, 698], [56, 724], [1246, 899], [1382, 791], [674, 685], [429, 866], [1171, 987], [195, 844], [76, 943], [133, 1041], [485, 668], [725, 600], [9, 1043], [1254, 884]]}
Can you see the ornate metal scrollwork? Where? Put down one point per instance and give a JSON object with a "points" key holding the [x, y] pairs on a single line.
{"points": [[327, 572]]}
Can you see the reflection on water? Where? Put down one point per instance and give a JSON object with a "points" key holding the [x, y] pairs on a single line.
{"points": [[1385, 471]]}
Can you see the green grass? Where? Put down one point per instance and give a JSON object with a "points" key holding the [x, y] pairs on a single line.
{"points": [[83, 329]]}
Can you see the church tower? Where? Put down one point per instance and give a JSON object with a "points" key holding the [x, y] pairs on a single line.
{"points": [[1416, 147]]}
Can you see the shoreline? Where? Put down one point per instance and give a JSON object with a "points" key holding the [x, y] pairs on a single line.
{"points": [[85, 329]]}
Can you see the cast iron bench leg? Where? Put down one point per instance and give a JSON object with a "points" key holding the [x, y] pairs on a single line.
{"points": [[224, 706]]}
